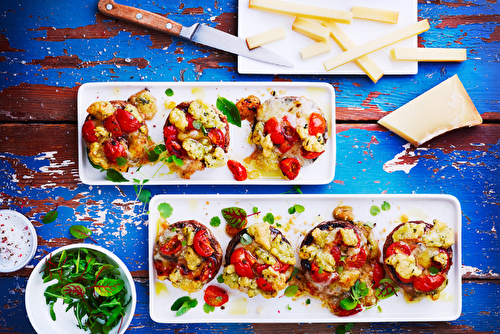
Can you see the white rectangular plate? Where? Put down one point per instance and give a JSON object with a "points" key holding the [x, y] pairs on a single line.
{"points": [[252, 21], [321, 171], [318, 208]]}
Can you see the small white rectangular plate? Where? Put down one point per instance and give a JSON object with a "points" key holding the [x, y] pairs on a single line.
{"points": [[322, 171], [318, 208], [252, 21]]}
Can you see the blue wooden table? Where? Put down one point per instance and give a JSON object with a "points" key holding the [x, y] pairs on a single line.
{"points": [[49, 48]]}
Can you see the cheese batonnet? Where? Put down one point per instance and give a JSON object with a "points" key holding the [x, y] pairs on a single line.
{"points": [[315, 49], [265, 37], [442, 108], [375, 14], [311, 29], [429, 54]]}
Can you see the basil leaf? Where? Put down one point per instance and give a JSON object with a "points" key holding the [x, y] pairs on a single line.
{"points": [[178, 303], [229, 109], [115, 176], [348, 304]]}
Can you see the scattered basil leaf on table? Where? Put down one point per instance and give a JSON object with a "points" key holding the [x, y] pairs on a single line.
{"points": [[183, 304]]}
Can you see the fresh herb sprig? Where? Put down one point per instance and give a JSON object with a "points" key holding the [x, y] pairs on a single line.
{"points": [[358, 291], [90, 286]]}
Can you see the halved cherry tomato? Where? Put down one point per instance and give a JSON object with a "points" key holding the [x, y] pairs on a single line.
{"points": [[113, 149], [310, 155], [358, 260], [264, 285], [243, 262], [426, 283], [260, 268], [318, 276], [170, 131], [285, 147], [174, 147], [111, 124], [290, 167], [398, 247], [190, 120], [317, 124], [289, 131], [344, 313], [239, 171], [273, 127], [216, 136], [127, 121], [336, 253], [208, 270], [172, 246], [88, 131], [280, 267], [215, 296], [378, 273], [202, 244]]}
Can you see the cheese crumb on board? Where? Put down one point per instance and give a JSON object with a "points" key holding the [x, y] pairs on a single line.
{"points": [[376, 44], [345, 42], [265, 37], [445, 107], [315, 49], [429, 54], [311, 29], [375, 14], [307, 11]]}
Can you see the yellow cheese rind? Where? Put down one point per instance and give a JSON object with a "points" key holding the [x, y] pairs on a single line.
{"points": [[311, 29], [429, 54], [376, 44], [306, 11], [375, 14], [445, 107], [315, 49], [345, 42], [265, 37]]}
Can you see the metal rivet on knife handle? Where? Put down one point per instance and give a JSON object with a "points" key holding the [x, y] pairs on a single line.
{"points": [[109, 6], [138, 16]]}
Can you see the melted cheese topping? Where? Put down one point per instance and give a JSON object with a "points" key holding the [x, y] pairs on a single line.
{"points": [[405, 265], [409, 231], [440, 235]]}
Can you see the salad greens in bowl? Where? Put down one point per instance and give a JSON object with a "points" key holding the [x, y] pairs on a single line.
{"points": [[81, 288]]}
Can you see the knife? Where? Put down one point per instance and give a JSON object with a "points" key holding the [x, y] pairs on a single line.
{"points": [[198, 33]]}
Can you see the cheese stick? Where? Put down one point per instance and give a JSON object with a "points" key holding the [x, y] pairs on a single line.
{"points": [[265, 37], [429, 54], [375, 14]]}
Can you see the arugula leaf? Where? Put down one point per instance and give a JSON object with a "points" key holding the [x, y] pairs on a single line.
{"points": [[165, 210], [50, 217], [229, 109], [235, 217]]}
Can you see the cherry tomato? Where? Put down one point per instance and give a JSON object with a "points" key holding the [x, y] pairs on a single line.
{"points": [[172, 246], [88, 131], [318, 276], [290, 167], [289, 131], [260, 268], [264, 285], [426, 283], [127, 121], [378, 273], [344, 313], [317, 124], [336, 253], [273, 127], [202, 245], [285, 147], [243, 262], [280, 267], [310, 155], [239, 171], [111, 124], [113, 149], [358, 260], [170, 131], [398, 247], [216, 136], [174, 147], [215, 296], [190, 120], [208, 270]]}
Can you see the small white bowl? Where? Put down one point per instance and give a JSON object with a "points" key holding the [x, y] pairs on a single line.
{"points": [[39, 313], [18, 241]]}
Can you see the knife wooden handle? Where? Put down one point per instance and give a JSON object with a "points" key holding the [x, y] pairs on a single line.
{"points": [[139, 16]]}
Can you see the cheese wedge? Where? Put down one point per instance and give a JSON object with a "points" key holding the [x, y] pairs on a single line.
{"points": [[445, 107], [307, 11], [345, 42], [376, 44], [311, 29], [265, 37], [429, 54], [315, 49], [375, 14]]}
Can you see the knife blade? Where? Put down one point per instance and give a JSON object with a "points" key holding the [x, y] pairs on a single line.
{"points": [[198, 33]]}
